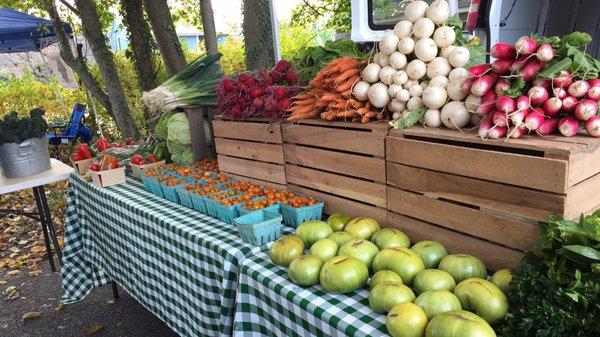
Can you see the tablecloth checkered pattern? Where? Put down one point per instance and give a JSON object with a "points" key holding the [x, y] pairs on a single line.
{"points": [[269, 304], [180, 264]]}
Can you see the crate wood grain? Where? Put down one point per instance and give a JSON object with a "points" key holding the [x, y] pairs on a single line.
{"points": [[253, 169], [494, 256], [251, 130], [258, 181], [272, 153]]}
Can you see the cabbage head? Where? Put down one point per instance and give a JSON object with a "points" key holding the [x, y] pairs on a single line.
{"points": [[178, 129], [181, 153], [161, 127]]}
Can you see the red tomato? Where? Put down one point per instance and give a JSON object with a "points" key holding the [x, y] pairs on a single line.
{"points": [[95, 167], [128, 141], [83, 151], [137, 160], [101, 144], [108, 162], [152, 158], [76, 157]]}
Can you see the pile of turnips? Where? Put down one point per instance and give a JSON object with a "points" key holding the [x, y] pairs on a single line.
{"points": [[417, 65], [533, 86]]}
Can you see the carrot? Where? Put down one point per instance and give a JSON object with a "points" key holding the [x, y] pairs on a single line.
{"points": [[305, 102], [328, 115], [370, 114], [347, 94], [364, 120], [303, 96], [346, 75], [347, 85], [346, 113]]}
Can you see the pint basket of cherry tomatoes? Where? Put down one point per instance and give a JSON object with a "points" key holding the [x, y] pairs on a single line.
{"points": [[213, 201], [185, 195], [107, 172], [227, 209], [138, 163], [258, 203], [198, 195], [169, 186], [297, 209]]}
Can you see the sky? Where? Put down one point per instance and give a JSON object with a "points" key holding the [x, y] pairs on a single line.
{"points": [[228, 13]]}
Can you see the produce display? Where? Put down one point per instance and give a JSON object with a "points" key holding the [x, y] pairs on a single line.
{"points": [[264, 93], [81, 152], [16, 130], [451, 298], [107, 162], [173, 129]]}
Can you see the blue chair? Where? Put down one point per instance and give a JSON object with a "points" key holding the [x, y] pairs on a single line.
{"points": [[75, 129]]}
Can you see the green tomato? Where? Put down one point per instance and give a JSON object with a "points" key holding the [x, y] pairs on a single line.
{"points": [[406, 320], [313, 231], [286, 249], [305, 270], [325, 249], [458, 323], [402, 261], [362, 228], [433, 279], [431, 252], [435, 302], [360, 249], [338, 221], [341, 237], [386, 295], [502, 279], [390, 237], [343, 274], [463, 266], [384, 275], [483, 298]]}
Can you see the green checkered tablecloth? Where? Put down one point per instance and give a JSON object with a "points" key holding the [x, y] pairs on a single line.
{"points": [[180, 264], [269, 304]]}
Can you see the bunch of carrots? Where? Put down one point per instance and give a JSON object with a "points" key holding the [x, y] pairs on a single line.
{"points": [[330, 95]]}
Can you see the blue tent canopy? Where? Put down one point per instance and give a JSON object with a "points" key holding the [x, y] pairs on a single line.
{"points": [[20, 32]]}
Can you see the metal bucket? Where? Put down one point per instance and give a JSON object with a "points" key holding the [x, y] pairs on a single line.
{"points": [[25, 159]]}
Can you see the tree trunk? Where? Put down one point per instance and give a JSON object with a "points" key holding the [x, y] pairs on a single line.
{"points": [[165, 34], [258, 35], [142, 46], [76, 63], [92, 30], [208, 22]]}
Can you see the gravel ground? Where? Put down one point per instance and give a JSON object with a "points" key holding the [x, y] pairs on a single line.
{"points": [[123, 318]]}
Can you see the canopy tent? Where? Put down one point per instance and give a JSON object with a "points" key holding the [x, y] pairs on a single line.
{"points": [[20, 32]]}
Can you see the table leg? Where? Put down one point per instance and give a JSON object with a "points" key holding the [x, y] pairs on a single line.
{"points": [[49, 221], [42, 216], [115, 290]]}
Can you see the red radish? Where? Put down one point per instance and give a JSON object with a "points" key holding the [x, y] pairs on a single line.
{"points": [[592, 126], [518, 132], [578, 88], [594, 93], [531, 69], [542, 82], [518, 116], [519, 64], [548, 126], [568, 126], [534, 119], [485, 126], [497, 132], [482, 85], [501, 67], [500, 119], [506, 104], [538, 95], [545, 53], [488, 103], [523, 103], [467, 84], [560, 92], [526, 45], [501, 85], [569, 103], [479, 70], [552, 106], [594, 82], [503, 51], [563, 80], [586, 109]]}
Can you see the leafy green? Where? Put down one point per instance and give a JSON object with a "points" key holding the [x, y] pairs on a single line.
{"points": [[312, 59], [409, 119], [476, 50], [178, 129], [517, 84], [577, 39], [455, 21], [161, 127], [15, 130], [554, 67]]}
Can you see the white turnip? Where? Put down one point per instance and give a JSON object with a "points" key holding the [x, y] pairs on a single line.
{"points": [[526, 45], [400, 77], [409, 83], [403, 95], [438, 11], [447, 50], [475, 119], [548, 126], [569, 103], [568, 126], [503, 51], [403, 29], [586, 109], [545, 53], [459, 57], [552, 106], [360, 90], [416, 69], [406, 45], [378, 95], [458, 74], [415, 10], [386, 75], [456, 91], [415, 103], [578, 88], [537, 95], [388, 43], [444, 36], [506, 104], [416, 91], [472, 102], [434, 97], [381, 59], [592, 126], [439, 81], [394, 89], [397, 60], [432, 118], [439, 66], [371, 73], [423, 27], [396, 106], [455, 115], [426, 49]]}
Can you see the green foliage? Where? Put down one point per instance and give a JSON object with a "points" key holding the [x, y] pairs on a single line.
{"points": [[334, 14], [234, 56], [309, 61], [16, 130], [293, 38], [569, 56]]}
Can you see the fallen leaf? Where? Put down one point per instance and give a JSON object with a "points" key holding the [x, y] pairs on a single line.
{"points": [[58, 307], [111, 301], [2, 282], [30, 315], [23, 242], [14, 272], [92, 329], [35, 272], [11, 293], [14, 249], [37, 249]]}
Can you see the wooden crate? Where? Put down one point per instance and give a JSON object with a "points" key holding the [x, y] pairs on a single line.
{"points": [[251, 150], [340, 163], [486, 197]]}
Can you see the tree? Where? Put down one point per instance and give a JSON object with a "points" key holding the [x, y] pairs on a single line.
{"points": [[208, 22], [258, 34], [92, 30], [165, 34], [334, 14]]}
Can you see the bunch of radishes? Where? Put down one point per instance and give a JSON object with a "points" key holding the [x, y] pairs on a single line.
{"points": [[544, 105], [265, 93], [417, 65]]}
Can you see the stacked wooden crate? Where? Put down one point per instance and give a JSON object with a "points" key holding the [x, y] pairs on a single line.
{"points": [[340, 163], [486, 197], [251, 150]]}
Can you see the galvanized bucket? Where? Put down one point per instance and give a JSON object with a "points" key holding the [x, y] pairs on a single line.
{"points": [[25, 159]]}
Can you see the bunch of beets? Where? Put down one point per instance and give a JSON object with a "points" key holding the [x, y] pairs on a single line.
{"points": [[264, 93]]}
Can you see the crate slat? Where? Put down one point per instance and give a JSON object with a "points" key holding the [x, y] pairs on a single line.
{"points": [[544, 173], [338, 162], [272, 153], [254, 169], [494, 256], [357, 189], [359, 141], [247, 130], [509, 232], [522, 201], [584, 165], [258, 181], [583, 198], [338, 204]]}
